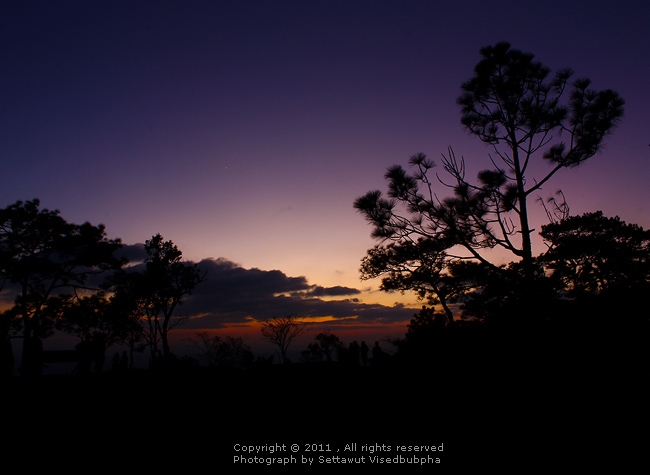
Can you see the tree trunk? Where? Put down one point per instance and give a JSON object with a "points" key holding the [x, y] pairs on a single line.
{"points": [[448, 312], [165, 338]]}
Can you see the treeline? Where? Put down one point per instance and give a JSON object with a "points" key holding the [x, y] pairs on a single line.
{"points": [[60, 276], [589, 288], [437, 227]]}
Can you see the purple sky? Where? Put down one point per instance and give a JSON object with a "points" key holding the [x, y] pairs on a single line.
{"points": [[244, 130]]}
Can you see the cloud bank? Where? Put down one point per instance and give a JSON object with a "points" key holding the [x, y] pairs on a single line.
{"points": [[234, 295]]}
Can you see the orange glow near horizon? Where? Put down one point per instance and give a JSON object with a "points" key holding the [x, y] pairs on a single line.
{"points": [[250, 333]]}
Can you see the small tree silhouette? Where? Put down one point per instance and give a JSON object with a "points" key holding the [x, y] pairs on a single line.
{"points": [[216, 351], [167, 281], [281, 331], [328, 343]]}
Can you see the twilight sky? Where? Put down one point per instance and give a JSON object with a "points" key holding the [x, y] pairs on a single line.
{"points": [[244, 130]]}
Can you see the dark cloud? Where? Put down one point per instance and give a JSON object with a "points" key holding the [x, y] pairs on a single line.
{"points": [[337, 291], [232, 294], [133, 253]]}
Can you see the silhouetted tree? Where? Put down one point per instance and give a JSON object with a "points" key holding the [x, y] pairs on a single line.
{"points": [[166, 281], [328, 343], [350, 354], [511, 105], [48, 261], [7, 359], [312, 354], [234, 353], [281, 331], [207, 346], [228, 351], [509, 296], [591, 254], [101, 313], [422, 267], [127, 308], [423, 336], [429, 340], [426, 321]]}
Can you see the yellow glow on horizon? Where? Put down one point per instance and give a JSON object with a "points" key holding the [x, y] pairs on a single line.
{"points": [[325, 318]]}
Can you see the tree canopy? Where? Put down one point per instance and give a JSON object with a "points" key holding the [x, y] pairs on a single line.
{"points": [[158, 290], [281, 331], [523, 114], [48, 263], [592, 253], [64, 276]]}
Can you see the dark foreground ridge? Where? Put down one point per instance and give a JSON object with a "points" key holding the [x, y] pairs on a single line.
{"points": [[509, 408]]}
